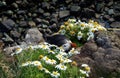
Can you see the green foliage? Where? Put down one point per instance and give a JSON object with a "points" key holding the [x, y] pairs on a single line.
{"points": [[49, 61], [80, 31]]}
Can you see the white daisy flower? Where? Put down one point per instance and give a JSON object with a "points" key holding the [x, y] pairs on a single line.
{"points": [[67, 60], [36, 46], [51, 51], [44, 46], [36, 63], [59, 56], [79, 35], [83, 72], [45, 58], [47, 71], [40, 67], [72, 20], [17, 51], [26, 64], [55, 74], [63, 53], [84, 65], [51, 62], [73, 51], [61, 67]]}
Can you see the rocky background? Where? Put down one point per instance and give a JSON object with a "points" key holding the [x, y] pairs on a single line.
{"points": [[26, 22]]}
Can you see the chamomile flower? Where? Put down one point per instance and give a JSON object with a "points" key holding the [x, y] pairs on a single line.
{"points": [[83, 72], [36, 63], [17, 51], [35, 46], [62, 26], [74, 63], [72, 20], [47, 71], [26, 64], [45, 58], [51, 51], [40, 67], [73, 51], [55, 74], [63, 53], [79, 35], [66, 60], [44, 46], [59, 56], [52, 62], [41, 56], [86, 67], [61, 67]]}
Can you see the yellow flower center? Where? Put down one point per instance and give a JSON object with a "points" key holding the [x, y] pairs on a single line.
{"points": [[47, 59], [62, 27], [66, 23], [87, 68], [61, 61], [74, 63], [82, 25], [52, 60], [72, 32], [40, 67], [55, 73], [41, 56], [62, 66]]}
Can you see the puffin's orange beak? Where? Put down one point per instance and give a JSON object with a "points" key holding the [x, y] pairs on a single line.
{"points": [[74, 45]]}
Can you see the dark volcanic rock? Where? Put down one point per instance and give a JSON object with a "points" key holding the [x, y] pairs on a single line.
{"points": [[45, 5], [33, 36], [7, 39], [103, 40], [75, 9], [117, 17], [106, 60], [7, 25], [88, 49], [40, 10], [23, 24], [100, 7], [63, 14], [115, 25], [15, 34], [88, 13]]}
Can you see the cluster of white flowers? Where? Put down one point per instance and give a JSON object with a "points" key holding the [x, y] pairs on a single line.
{"points": [[49, 61], [85, 71], [80, 29], [59, 63]]}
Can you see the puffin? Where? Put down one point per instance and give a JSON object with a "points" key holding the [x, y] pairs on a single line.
{"points": [[60, 40]]}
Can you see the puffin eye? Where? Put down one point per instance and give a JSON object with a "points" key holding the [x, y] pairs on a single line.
{"points": [[64, 45]]}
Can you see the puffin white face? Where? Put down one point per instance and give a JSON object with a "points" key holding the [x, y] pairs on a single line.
{"points": [[66, 46]]}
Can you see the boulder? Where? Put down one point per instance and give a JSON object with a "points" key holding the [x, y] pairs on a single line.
{"points": [[33, 36], [102, 40], [75, 8], [88, 49], [7, 25], [63, 14], [115, 24]]}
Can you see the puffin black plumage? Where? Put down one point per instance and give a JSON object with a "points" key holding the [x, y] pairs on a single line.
{"points": [[59, 40]]}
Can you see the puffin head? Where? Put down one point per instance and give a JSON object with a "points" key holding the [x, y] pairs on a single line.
{"points": [[68, 45]]}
